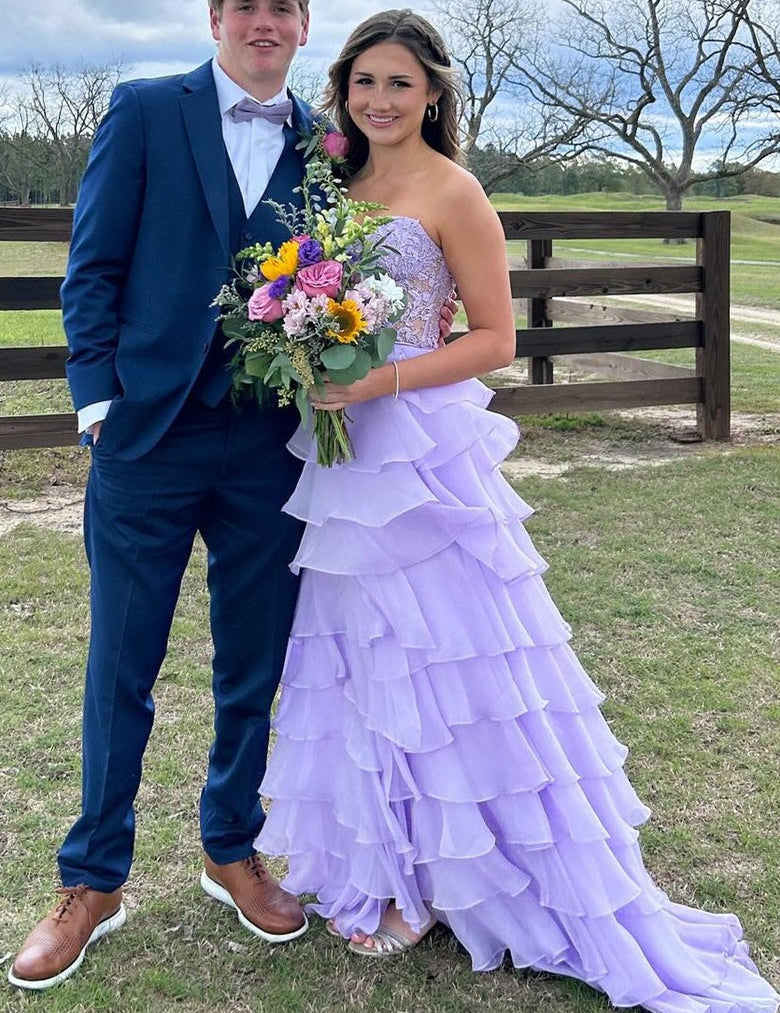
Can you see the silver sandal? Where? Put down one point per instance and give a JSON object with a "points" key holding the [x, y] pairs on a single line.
{"points": [[388, 943]]}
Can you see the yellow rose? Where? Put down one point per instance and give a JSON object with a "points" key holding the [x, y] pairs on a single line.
{"points": [[285, 262]]}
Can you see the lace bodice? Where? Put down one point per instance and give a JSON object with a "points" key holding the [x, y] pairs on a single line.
{"points": [[418, 265]]}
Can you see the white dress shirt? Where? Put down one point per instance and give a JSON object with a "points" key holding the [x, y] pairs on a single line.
{"points": [[254, 147]]}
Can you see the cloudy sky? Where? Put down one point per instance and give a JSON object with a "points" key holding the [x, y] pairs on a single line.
{"points": [[153, 36]]}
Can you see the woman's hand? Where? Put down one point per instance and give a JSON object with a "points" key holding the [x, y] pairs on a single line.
{"points": [[447, 317], [333, 397]]}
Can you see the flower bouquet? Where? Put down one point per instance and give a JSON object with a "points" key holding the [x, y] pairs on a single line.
{"points": [[317, 307]]}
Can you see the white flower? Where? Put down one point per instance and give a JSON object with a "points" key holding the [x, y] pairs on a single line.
{"points": [[296, 313], [317, 307], [226, 297], [295, 301], [294, 325], [384, 286]]}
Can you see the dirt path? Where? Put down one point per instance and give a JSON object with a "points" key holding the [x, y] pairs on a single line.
{"points": [[745, 320], [59, 510], [670, 436], [667, 260], [741, 317]]}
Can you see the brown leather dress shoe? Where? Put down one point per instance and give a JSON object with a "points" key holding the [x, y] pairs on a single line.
{"points": [[250, 889], [55, 948]]}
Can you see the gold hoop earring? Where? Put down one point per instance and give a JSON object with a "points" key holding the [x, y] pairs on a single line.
{"points": [[432, 112]]}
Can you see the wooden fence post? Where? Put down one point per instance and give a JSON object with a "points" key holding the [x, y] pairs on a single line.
{"points": [[713, 413], [540, 368]]}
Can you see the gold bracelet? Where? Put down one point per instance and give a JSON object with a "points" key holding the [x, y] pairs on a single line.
{"points": [[397, 382]]}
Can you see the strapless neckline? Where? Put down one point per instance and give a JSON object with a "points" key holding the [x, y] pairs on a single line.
{"points": [[420, 229]]}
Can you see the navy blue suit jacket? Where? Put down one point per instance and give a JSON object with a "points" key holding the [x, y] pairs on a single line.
{"points": [[150, 250]]}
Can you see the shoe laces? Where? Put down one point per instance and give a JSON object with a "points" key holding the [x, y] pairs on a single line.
{"points": [[70, 895], [256, 867]]}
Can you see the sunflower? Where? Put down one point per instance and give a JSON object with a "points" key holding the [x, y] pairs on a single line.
{"points": [[285, 262], [348, 322]]}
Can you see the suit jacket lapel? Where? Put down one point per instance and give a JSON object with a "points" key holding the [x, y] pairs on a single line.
{"points": [[302, 118], [204, 128], [288, 171]]}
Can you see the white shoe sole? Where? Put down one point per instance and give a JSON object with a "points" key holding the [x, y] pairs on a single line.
{"points": [[220, 893], [116, 921]]}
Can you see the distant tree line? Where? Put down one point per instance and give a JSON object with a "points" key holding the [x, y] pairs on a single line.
{"points": [[33, 170], [47, 129], [598, 175]]}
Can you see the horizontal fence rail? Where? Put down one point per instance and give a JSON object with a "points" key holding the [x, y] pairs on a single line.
{"points": [[557, 324]]}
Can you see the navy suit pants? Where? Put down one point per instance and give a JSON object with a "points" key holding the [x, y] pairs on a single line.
{"points": [[223, 473]]}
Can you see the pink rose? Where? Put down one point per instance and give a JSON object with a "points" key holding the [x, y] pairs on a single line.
{"points": [[335, 144], [301, 239], [320, 279], [263, 306]]}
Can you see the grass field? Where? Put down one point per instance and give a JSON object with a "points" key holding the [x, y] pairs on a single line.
{"points": [[666, 571], [663, 573]]}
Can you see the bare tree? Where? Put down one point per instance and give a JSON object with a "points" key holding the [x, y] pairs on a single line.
{"points": [[763, 26], [503, 128], [307, 82], [531, 138], [64, 107], [659, 79], [485, 40]]}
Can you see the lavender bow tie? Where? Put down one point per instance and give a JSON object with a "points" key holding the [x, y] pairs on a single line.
{"points": [[247, 109]]}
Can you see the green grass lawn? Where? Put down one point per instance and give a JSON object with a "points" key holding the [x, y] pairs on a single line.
{"points": [[32, 259], [755, 375], [31, 327], [666, 577], [752, 237]]}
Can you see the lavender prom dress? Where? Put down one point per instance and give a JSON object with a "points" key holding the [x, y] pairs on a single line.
{"points": [[438, 741]]}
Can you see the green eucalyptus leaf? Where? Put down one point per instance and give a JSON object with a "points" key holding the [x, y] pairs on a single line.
{"points": [[256, 364], [385, 341], [233, 327], [359, 368], [302, 404], [338, 357]]}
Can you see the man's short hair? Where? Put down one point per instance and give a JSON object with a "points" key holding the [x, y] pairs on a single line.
{"points": [[217, 5]]}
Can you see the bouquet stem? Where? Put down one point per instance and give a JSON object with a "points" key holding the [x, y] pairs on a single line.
{"points": [[333, 443]]}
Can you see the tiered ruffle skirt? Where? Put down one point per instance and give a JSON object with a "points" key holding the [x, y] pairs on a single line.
{"points": [[439, 743]]}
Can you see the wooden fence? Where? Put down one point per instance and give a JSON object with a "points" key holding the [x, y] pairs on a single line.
{"points": [[557, 324]]}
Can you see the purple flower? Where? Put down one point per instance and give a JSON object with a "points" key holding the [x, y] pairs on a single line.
{"points": [[320, 279], [278, 289], [309, 252]]}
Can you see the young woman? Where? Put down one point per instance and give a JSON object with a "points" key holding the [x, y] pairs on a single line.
{"points": [[441, 755]]}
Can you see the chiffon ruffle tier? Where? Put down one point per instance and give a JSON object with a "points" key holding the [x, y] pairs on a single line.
{"points": [[439, 743]]}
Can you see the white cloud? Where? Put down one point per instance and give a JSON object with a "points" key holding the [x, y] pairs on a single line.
{"points": [[169, 35]]}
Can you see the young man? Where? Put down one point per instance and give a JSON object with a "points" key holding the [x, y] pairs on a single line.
{"points": [[172, 190]]}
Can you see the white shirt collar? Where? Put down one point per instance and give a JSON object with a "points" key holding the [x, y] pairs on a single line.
{"points": [[228, 92]]}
